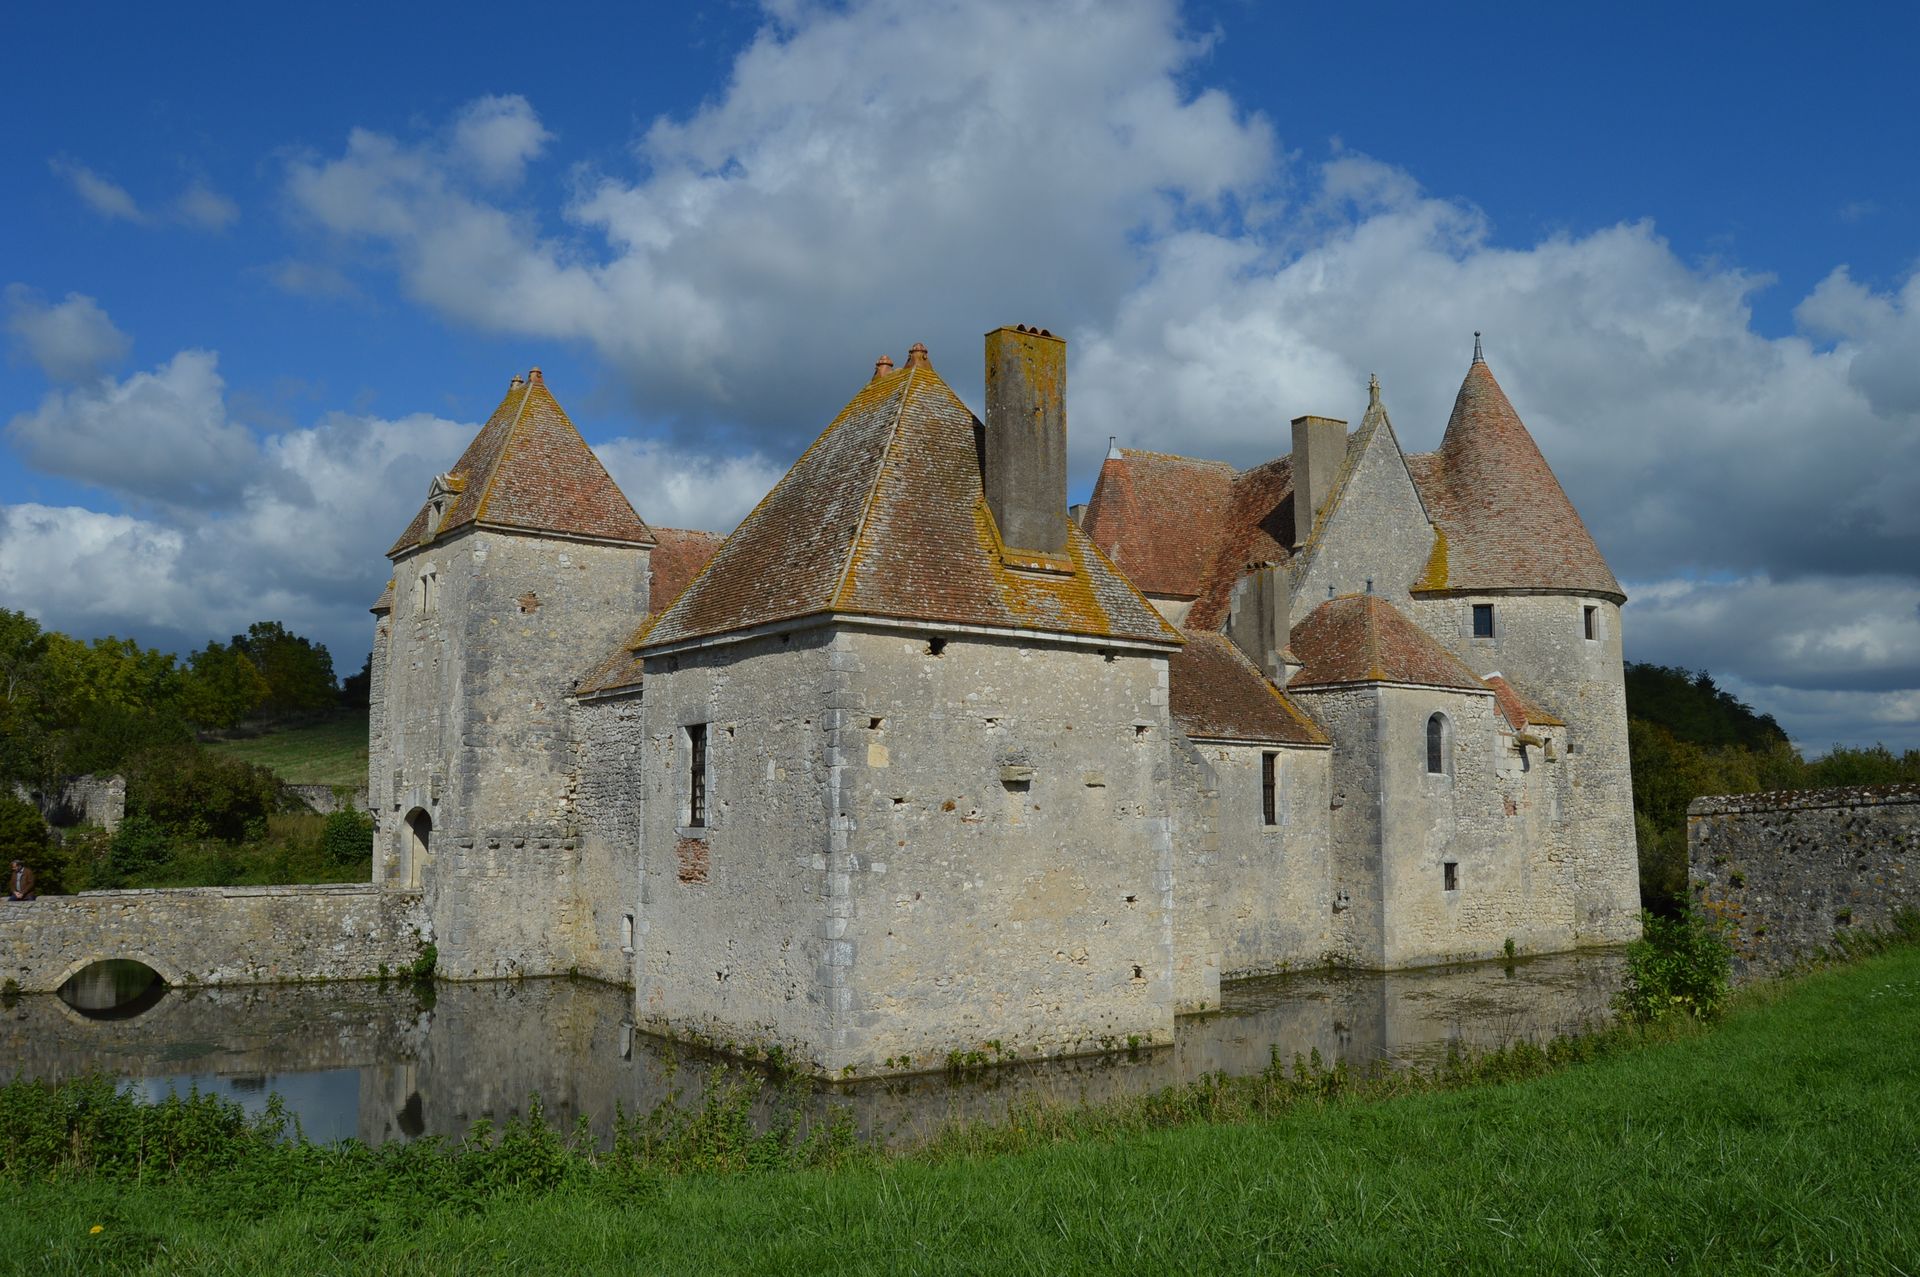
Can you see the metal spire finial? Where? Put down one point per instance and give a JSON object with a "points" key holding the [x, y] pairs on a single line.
{"points": [[1478, 358]]}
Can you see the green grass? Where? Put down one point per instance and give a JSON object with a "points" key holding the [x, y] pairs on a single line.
{"points": [[333, 752], [1785, 1140]]}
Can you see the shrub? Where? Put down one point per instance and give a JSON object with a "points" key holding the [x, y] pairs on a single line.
{"points": [[23, 836], [348, 838], [196, 793], [1680, 965], [138, 847]]}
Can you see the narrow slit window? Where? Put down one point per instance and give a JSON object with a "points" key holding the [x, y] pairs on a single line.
{"points": [[697, 776], [1437, 745], [1452, 872], [1590, 619], [1269, 788], [1483, 620]]}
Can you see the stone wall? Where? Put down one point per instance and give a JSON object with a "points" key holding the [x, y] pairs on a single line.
{"points": [[1788, 869], [215, 935], [81, 800], [327, 799]]}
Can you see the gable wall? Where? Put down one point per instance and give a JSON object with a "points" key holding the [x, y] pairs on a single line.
{"points": [[1377, 529]]}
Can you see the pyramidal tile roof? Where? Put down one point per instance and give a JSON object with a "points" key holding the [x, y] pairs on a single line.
{"points": [[1216, 693], [1507, 521], [884, 516], [1361, 638], [529, 469], [1149, 511], [1257, 528]]}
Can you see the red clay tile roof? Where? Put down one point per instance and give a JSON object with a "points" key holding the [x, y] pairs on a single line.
{"points": [[678, 556], [1517, 709], [884, 516], [1507, 521], [1216, 693], [1151, 512], [1361, 638], [1257, 528], [528, 468], [620, 670], [385, 602]]}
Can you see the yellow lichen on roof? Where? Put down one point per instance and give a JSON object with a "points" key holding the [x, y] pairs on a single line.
{"points": [[1435, 576]]}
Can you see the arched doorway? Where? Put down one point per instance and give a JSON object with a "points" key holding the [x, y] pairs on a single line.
{"points": [[414, 844]]}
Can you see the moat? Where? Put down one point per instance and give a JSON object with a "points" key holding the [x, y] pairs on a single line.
{"points": [[381, 1063]]}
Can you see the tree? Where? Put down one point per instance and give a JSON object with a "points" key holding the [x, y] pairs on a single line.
{"points": [[299, 672], [356, 690], [222, 686], [23, 836]]}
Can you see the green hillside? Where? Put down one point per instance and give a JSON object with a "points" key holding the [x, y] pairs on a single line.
{"points": [[333, 752]]}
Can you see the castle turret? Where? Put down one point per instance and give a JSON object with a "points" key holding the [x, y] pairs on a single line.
{"points": [[524, 564]]}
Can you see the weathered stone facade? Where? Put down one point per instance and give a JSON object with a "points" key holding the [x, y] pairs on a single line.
{"points": [[1787, 870], [216, 935], [879, 788]]}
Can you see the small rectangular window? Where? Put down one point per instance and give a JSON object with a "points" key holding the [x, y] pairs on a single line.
{"points": [[1269, 788], [1483, 620], [697, 776], [1590, 617], [1453, 875], [626, 932]]}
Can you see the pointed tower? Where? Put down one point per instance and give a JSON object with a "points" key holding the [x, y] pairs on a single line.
{"points": [[523, 565], [1517, 585]]}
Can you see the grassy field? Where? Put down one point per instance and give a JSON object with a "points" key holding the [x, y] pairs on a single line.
{"points": [[329, 753], [1786, 1140]]}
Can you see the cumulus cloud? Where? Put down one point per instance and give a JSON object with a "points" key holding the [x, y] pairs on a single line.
{"points": [[161, 436], [72, 340], [310, 279], [497, 136], [674, 488], [202, 206], [199, 205]]}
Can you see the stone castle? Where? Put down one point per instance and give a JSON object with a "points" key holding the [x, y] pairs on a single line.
{"points": [[917, 761]]}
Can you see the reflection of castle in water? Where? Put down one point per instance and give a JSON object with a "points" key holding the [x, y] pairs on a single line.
{"points": [[472, 1051]]}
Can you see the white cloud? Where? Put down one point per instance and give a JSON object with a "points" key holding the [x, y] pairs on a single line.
{"points": [[72, 340], [160, 436], [103, 195], [497, 136], [203, 207], [675, 488], [310, 279]]}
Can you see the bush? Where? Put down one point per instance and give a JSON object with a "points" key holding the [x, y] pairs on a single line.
{"points": [[138, 847], [195, 793], [1680, 965], [348, 839], [23, 836]]}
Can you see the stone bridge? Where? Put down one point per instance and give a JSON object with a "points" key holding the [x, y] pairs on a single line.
{"points": [[215, 935]]}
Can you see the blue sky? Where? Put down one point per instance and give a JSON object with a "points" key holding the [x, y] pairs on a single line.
{"points": [[265, 271]]}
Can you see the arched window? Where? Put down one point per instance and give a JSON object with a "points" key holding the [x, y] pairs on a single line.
{"points": [[1437, 745]]}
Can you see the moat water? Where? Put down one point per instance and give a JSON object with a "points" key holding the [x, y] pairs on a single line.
{"points": [[379, 1063]]}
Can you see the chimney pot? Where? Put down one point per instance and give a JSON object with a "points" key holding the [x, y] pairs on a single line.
{"points": [[535, 378], [882, 366], [917, 356], [516, 383]]}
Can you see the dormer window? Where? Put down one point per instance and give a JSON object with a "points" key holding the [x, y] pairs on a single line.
{"points": [[441, 495]]}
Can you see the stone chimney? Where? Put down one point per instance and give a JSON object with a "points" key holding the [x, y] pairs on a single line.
{"points": [[1024, 458], [1257, 618], [1319, 446]]}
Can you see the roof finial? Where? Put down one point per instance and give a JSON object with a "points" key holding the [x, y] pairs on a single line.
{"points": [[882, 366], [917, 356], [1113, 447], [1478, 358], [516, 383], [533, 376], [1373, 391]]}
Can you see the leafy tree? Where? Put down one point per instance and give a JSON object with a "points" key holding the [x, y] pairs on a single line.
{"points": [[194, 793], [222, 686], [23, 836], [356, 690], [348, 838], [299, 672]]}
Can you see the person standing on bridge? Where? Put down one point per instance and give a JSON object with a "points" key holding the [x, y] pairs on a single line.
{"points": [[20, 882]]}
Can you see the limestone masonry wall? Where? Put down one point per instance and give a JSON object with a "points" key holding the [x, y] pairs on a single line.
{"points": [[1788, 869], [215, 935]]}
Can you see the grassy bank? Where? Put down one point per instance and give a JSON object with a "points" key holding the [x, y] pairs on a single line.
{"points": [[1784, 1140], [332, 752]]}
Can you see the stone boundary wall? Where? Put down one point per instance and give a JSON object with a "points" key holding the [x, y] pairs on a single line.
{"points": [[215, 935], [82, 800], [325, 799], [1789, 868]]}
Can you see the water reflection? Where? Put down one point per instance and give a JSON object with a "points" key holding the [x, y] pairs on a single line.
{"points": [[117, 989], [382, 1063]]}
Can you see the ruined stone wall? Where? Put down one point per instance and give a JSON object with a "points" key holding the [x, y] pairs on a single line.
{"points": [[1540, 645], [324, 800], [1261, 896], [1007, 872], [216, 935], [1788, 869], [81, 800], [733, 940]]}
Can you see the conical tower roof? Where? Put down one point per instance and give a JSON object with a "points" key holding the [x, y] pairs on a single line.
{"points": [[528, 469], [885, 516], [1506, 519]]}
